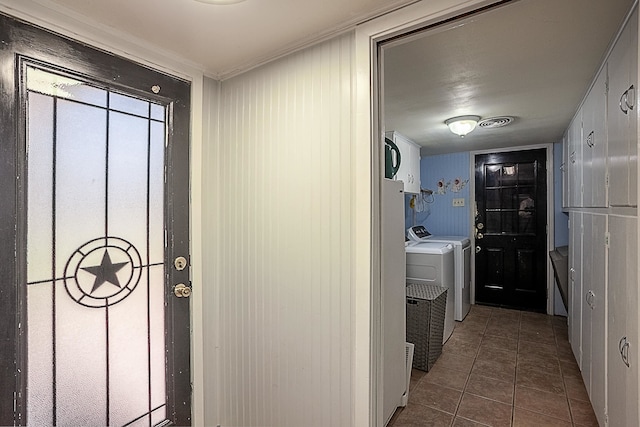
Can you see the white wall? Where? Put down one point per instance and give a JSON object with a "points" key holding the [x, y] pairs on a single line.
{"points": [[277, 232]]}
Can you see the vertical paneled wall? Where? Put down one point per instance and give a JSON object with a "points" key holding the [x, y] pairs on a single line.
{"points": [[444, 218], [278, 301]]}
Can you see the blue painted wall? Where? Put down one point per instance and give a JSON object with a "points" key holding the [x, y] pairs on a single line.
{"points": [[439, 216]]}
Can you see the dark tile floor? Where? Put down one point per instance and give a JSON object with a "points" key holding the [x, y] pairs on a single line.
{"points": [[501, 368]]}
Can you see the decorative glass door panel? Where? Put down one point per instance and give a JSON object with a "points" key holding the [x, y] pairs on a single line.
{"points": [[95, 275]]}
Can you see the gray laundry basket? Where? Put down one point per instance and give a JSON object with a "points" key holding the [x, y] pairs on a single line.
{"points": [[426, 305]]}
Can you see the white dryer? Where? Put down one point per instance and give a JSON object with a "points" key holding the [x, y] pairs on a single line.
{"points": [[433, 263], [462, 261]]}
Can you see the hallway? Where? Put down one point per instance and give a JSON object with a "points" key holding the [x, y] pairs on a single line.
{"points": [[501, 368]]}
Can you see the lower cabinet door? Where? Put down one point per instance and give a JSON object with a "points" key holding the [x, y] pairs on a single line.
{"points": [[622, 327]]}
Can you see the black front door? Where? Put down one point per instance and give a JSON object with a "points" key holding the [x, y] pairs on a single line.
{"points": [[94, 178], [511, 197]]}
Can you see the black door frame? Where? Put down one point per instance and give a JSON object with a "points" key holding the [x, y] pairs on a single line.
{"points": [[550, 215], [25, 40]]}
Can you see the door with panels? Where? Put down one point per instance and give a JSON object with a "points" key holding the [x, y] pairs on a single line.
{"points": [[594, 144], [95, 179], [622, 328], [575, 284], [574, 137], [594, 310], [622, 117]]}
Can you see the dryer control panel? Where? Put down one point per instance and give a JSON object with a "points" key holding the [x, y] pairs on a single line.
{"points": [[418, 233]]}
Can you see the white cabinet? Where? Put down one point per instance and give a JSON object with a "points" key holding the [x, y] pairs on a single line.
{"points": [[600, 159], [622, 114], [622, 328], [574, 138], [564, 170], [393, 300], [594, 144], [594, 310], [409, 171], [575, 284]]}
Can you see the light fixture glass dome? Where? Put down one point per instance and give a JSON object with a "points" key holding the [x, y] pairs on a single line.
{"points": [[462, 125]]}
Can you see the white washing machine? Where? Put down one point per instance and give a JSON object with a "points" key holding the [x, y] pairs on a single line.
{"points": [[462, 261], [433, 263]]}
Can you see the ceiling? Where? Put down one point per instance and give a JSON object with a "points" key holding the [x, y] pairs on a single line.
{"points": [[222, 39], [531, 59]]}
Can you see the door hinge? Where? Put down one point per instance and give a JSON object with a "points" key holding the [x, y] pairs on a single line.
{"points": [[606, 180], [607, 240]]}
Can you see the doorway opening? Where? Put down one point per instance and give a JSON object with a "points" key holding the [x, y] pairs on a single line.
{"points": [[511, 229]]}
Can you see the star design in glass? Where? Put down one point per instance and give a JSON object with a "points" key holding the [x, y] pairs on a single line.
{"points": [[105, 272]]}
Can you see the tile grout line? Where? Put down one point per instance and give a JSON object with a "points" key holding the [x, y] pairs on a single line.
{"points": [[475, 357], [564, 383]]}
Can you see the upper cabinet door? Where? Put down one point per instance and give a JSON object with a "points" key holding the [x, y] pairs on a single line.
{"points": [[564, 169], [622, 113], [574, 137], [409, 171], [594, 144]]}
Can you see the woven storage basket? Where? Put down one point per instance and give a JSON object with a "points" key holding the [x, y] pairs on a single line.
{"points": [[426, 306]]}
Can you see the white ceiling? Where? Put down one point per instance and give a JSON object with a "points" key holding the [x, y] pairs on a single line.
{"points": [[532, 59], [221, 39]]}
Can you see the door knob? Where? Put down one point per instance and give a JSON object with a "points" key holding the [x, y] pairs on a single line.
{"points": [[182, 291]]}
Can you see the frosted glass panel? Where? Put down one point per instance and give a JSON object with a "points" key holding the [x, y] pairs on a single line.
{"points": [[40, 378], [128, 104], [80, 177], [81, 362], [156, 193], [128, 149], [60, 86], [158, 415], [128, 359], [40, 179], [156, 335], [95, 256], [157, 112]]}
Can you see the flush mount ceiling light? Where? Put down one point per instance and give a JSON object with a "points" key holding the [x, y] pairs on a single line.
{"points": [[462, 125], [220, 1]]}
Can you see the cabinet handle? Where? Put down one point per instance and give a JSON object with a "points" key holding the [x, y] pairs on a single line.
{"points": [[589, 297], [572, 271], [624, 95], [631, 94], [623, 347], [591, 139]]}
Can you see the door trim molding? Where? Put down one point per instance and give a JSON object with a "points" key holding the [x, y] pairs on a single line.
{"points": [[550, 215], [367, 142]]}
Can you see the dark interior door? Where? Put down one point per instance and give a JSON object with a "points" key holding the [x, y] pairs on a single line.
{"points": [[94, 176], [511, 197]]}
